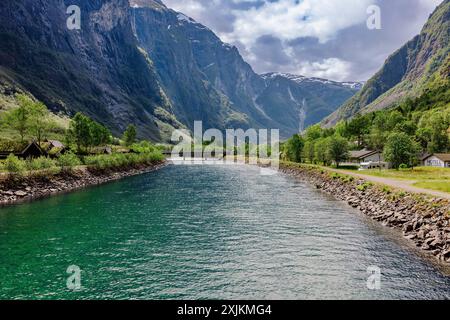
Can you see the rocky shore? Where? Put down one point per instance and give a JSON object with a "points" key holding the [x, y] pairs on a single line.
{"points": [[33, 188], [421, 219]]}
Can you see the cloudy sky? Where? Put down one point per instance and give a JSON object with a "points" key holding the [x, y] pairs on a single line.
{"points": [[322, 38]]}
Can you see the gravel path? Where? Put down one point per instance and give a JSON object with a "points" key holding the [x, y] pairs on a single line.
{"points": [[400, 184]]}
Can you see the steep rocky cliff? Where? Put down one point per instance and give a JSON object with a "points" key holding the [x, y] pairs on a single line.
{"points": [[98, 70]]}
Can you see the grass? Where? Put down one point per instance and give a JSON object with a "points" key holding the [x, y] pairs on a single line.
{"points": [[417, 174], [437, 179], [434, 185]]}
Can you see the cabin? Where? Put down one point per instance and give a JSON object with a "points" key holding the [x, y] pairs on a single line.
{"points": [[101, 150], [438, 160], [54, 148], [365, 156], [32, 150], [55, 144]]}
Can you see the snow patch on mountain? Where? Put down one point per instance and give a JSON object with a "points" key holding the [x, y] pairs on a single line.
{"points": [[300, 79]]}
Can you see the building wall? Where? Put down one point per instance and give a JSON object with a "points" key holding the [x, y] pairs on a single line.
{"points": [[434, 162]]}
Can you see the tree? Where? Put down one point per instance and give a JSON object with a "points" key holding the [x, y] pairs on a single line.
{"points": [[394, 119], [18, 118], [313, 133], [338, 149], [358, 127], [309, 151], [377, 141], [40, 121], [100, 135], [129, 136], [321, 149], [80, 131], [293, 148], [400, 149], [432, 131], [341, 129]]}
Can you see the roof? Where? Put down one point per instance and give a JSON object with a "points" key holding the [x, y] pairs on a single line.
{"points": [[441, 156], [362, 153], [56, 143], [33, 148]]}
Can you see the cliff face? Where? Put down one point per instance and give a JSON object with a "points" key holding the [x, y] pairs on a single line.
{"points": [[140, 62], [189, 57], [97, 70], [419, 64]]}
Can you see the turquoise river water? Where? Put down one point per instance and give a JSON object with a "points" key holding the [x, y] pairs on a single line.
{"points": [[205, 232]]}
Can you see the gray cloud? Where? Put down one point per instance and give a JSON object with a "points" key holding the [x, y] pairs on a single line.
{"points": [[333, 43]]}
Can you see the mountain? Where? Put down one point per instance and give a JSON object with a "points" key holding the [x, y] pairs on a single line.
{"points": [[421, 64], [98, 70], [140, 62], [309, 100], [189, 57]]}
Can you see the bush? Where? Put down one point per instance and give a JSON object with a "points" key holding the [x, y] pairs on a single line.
{"points": [[364, 186], [14, 165], [67, 161], [347, 179], [403, 166], [143, 147], [387, 190], [41, 164], [117, 161], [335, 176]]}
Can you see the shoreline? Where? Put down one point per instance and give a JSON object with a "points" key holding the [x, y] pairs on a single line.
{"points": [[30, 189], [423, 220]]}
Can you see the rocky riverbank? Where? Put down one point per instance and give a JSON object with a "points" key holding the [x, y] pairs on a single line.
{"points": [[13, 191], [421, 219]]}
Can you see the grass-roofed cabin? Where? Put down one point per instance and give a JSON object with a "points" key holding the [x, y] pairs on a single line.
{"points": [[21, 150], [54, 148]]}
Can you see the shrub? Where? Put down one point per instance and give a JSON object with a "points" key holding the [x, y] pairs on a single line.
{"points": [[67, 161], [41, 164], [387, 190], [143, 147], [363, 187], [14, 165], [335, 176], [117, 161], [347, 179], [403, 166]]}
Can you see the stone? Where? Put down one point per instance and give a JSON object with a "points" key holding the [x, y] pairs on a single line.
{"points": [[436, 243], [446, 254], [20, 193], [421, 234]]}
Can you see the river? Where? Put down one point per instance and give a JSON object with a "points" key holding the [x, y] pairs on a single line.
{"points": [[205, 232]]}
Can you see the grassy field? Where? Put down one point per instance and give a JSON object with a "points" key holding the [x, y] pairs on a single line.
{"points": [[434, 185], [422, 177]]}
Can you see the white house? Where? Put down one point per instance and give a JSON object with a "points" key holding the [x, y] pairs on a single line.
{"points": [[441, 160], [368, 159]]}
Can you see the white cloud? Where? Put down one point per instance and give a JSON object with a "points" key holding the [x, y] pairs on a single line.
{"points": [[193, 8], [290, 19], [344, 50], [332, 68]]}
